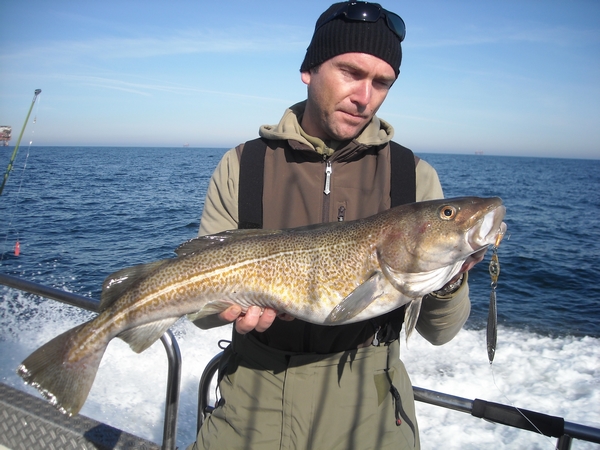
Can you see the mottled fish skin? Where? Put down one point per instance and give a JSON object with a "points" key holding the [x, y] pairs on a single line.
{"points": [[326, 274]]}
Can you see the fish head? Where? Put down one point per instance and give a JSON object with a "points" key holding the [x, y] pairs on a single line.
{"points": [[430, 241]]}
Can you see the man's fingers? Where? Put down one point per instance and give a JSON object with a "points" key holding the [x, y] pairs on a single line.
{"points": [[266, 319], [255, 318], [230, 314]]}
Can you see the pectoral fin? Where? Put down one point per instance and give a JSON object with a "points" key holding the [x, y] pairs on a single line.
{"points": [[411, 315], [359, 299], [142, 337]]}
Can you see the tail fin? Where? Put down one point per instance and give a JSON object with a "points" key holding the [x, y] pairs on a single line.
{"points": [[64, 381]]}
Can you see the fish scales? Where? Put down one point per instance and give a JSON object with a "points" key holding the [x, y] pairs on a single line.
{"points": [[327, 274], [311, 275]]}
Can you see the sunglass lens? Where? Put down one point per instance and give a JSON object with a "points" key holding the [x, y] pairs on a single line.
{"points": [[368, 12], [396, 23]]}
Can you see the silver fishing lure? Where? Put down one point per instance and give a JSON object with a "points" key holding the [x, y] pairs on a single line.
{"points": [[492, 322]]}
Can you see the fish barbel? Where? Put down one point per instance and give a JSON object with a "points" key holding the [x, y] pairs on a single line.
{"points": [[331, 274]]}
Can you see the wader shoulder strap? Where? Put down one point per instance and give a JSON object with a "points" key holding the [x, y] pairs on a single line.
{"points": [[250, 192], [403, 179], [403, 190], [252, 164]]}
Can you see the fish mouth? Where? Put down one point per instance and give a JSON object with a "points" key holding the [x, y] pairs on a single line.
{"points": [[489, 230]]}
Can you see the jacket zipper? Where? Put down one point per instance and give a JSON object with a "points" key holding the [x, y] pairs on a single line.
{"points": [[326, 190], [328, 171]]}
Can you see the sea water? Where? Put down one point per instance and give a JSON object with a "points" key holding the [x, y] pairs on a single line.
{"points": [[81, 213]]}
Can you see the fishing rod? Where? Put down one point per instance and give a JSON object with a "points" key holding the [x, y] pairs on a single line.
{"points": [[14, 154]]}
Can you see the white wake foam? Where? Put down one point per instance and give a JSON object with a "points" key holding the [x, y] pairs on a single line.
{"points": [[557, 376]]}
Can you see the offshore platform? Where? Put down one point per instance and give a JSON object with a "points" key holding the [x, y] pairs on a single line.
{"points": [[5, 134]]}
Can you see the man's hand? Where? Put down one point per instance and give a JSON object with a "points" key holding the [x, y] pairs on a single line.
{"points": [[256, 318]]}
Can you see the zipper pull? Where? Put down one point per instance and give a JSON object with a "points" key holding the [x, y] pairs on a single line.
{"points": [[328, 171]]}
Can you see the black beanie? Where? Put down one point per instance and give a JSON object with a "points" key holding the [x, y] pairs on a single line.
{"points": [[345, 36]]}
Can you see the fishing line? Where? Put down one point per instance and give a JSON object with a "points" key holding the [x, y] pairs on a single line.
{"points": [[491, 334], [13, 208], [16, 149], [508, 400]]}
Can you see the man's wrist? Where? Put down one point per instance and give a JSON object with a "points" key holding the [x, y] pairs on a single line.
{"points": [[450, 288]]}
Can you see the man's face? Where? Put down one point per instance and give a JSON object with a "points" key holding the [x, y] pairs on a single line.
{"points": [[344, 94]]}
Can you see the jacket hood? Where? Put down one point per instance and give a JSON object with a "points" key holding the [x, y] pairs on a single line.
{"points": [[377, 132]]}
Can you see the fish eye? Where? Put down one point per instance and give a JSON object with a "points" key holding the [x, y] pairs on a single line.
{"points": [[447, 212]]}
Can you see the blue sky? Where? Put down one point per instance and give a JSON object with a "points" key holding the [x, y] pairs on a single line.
{"points": [[508, 77]]}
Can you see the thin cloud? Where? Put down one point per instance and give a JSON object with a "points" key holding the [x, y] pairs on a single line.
{"points": [[147, 89], [117, 88], [192, 42]]}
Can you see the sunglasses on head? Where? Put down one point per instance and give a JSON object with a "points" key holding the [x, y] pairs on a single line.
{"points": [[369, 12]]}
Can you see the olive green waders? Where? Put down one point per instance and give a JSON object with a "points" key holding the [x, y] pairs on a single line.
{"points": [[277, 400]]}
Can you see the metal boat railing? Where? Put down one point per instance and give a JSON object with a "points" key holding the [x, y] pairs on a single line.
{"points": [[168, 340], [512, 416], [551, 426]]}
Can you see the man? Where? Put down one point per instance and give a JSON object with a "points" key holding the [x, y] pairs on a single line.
{"points": [[288, 383]]}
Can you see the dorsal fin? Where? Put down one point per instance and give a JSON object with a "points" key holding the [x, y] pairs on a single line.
{"points": [[201, 243], [117, 283]]}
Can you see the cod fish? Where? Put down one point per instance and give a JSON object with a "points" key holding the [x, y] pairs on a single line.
{"points": [[331, 274]]}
